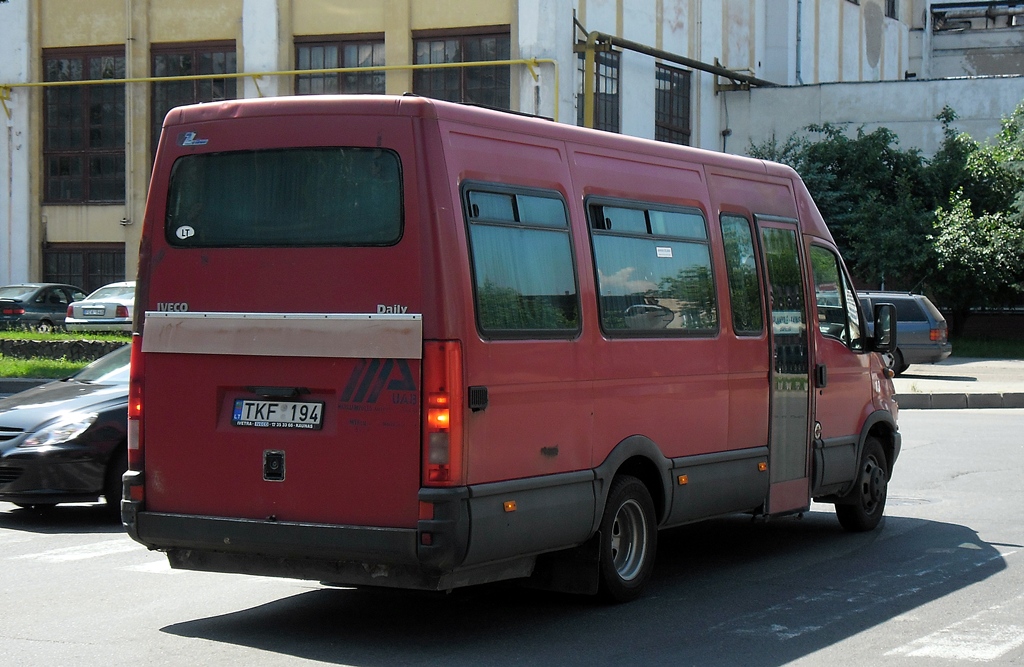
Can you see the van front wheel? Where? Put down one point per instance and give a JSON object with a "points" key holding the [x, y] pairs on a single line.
{"points": [[629, 540], [863, 506]]}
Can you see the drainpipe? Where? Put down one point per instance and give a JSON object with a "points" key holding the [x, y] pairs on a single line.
{"points": [[799, 32], [589, 76]]}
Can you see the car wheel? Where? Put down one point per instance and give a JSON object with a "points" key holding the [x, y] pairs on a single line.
{"points": [[863, 507], [45, 326], [629, 540], [112, 484], [898, 365]]}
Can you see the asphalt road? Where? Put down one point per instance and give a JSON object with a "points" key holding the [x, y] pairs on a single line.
{"points": [[940, 583]]}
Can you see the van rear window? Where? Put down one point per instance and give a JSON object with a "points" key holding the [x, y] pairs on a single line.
{"points": [[290, 197]]}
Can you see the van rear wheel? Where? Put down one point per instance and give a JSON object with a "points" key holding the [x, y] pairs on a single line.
{"points": [[629, 540], [863, 507]]}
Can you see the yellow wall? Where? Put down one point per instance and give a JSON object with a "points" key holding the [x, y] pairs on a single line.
{"points": [[194, 20], [334, 17], [67, 23], [84, 224]]}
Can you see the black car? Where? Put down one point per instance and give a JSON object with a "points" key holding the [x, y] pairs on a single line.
{"points": [[41, 306], [66, 441]]}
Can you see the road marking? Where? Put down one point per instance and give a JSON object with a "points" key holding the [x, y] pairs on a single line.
{"points": [[979, 638], [83, 552]]}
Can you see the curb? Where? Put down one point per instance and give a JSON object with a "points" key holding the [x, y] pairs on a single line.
{"points": [[959, 401]]}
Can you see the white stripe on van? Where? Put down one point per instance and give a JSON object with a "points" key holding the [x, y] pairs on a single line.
{"points": [[342, 335]]}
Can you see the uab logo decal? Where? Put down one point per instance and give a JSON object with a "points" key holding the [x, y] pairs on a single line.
{"points": [[371, 377]]}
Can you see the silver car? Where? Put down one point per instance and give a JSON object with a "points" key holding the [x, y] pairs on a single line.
{"points": [[107, 309]]}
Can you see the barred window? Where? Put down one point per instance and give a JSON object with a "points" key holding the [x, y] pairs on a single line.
{"points": [[83, 127], [88, 265], [607, 115], [328, 53], [188, 60], [487, 86], [672, 105]]}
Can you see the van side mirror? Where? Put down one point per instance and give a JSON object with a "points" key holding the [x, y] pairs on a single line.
{"points": [[884, 338]]}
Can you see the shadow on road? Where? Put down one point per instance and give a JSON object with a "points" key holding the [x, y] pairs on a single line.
{"points": [[77, 518], [725, 592]]}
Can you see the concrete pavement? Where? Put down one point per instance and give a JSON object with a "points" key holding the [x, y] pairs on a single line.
{"points": [[962, 382]]}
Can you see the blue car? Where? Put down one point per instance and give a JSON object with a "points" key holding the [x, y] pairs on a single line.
{"points": [[40, 306], [66, 441]]}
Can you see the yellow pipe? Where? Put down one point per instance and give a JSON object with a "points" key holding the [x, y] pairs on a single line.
{"points": [[530, 63]]}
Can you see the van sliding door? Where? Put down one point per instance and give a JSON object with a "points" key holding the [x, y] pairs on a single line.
{"points": [[790, 386]]}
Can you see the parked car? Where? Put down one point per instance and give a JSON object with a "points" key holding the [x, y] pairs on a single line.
{"points": [[107, 309], [66, 441], [921, 333], [41, 306]]}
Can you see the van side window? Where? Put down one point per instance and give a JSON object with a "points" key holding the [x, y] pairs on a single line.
{"points": [[838, 316], [744, 289], [523, 273], [653, 269]]}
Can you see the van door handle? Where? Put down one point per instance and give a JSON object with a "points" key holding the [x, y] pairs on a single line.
{"points": [[820, 376]]}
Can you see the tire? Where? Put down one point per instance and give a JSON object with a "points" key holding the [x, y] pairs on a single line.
{"points": [[899, 367], [629, 540], [865, 504], [112, 480], [45, 326]]}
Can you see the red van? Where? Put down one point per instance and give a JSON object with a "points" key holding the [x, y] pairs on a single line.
{"points": [[392, 341]]}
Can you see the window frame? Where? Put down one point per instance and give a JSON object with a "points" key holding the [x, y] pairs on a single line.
{"points": [[507, 189], [371, 39], [91, 279], [195, 50], [607, 105], [420, 81], [54, 104], [597, 200], [845, 288], [758, 273], [666, 122]]}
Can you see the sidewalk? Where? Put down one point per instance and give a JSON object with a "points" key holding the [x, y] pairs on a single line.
{"points": [[960, 382], [957, 382]]}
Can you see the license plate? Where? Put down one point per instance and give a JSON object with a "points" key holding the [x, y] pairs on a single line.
{"points": [[90, 312], [277, 414]]}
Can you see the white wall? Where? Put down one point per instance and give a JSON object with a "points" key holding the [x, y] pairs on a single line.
{"points": [[260, 46], [908, 108], [15, 165]]}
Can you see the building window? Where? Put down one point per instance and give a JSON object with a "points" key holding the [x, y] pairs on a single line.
{"points": [[83, 127], [190, 60], [323, 53], [485, 86], [87, 265], [672, 105], [606, 91], [891, 9]]}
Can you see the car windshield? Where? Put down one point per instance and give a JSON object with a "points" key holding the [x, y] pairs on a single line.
{"points": [[110, 369], [15, 292], [112, 292]]}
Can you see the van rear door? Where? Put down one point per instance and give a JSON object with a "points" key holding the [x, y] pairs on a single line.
{"points": [[283, 339]]}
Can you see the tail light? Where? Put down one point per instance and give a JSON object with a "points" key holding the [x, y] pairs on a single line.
{"points": [[71, 311], [937, 335], [443, 452], [14, 310], [135, 397], [122, 312]]}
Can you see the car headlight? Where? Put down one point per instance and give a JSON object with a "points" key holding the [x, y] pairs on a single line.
{"points": [[65, 428]]}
